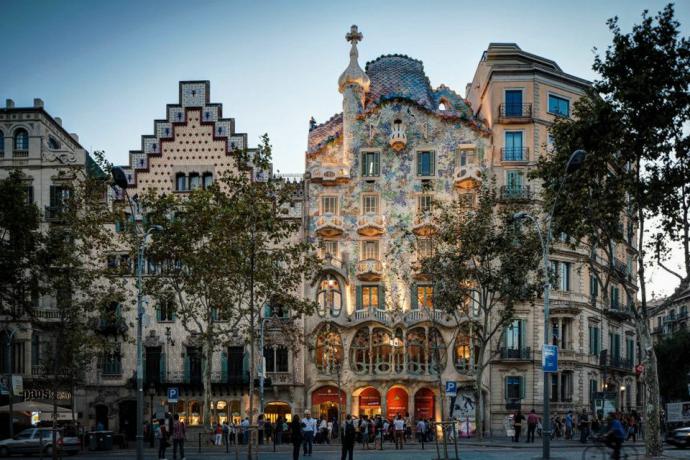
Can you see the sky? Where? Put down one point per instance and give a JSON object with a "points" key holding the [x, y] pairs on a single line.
{"points": [[108, 68]]}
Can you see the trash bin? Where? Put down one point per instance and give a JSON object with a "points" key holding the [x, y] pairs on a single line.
{"points": [[101, 440]]}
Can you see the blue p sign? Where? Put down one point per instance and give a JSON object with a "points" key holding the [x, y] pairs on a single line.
{"points": [[173, 394]]}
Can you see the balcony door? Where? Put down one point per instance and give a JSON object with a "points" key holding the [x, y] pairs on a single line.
{"points": [[194, 364], [513, 107], [153, 365], [235, 364], [513, 146]]}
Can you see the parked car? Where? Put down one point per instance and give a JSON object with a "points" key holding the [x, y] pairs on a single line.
{"points": [[680, 437], [37, 440]]}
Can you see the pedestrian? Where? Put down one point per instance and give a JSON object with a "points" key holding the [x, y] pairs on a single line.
{"points": [[348, 438], [632, 428], [517, 425], [399, 426], [532, 421], [279, 430], [179, 434], [323, 431], [364, 431], [296, 430], [244, 426], [329, 428], [226, 432], [419, 430], [163, 440], [569, 425], [309, 430], [260, 428], [615, 436], [218, 431], [268, 430], [583, 425]]}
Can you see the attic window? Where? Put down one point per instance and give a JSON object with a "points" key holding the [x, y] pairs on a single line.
{"points": [[442, 106], [53, 143]]}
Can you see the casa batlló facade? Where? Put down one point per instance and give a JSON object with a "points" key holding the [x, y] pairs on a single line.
{"points": [[376, 345]]}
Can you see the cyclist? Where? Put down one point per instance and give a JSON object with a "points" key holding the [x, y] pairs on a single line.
{"points": [[615, 436]]}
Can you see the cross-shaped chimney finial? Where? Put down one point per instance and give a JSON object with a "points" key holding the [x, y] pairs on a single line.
{"points": [[354, 36]]}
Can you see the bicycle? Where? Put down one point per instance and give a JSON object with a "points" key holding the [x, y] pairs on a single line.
{"points": [[600, 451]]}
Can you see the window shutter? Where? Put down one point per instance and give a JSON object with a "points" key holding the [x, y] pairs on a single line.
{"points": [[522, 388], [173, 315], [419, 164], [382, 297], [432, 167], [414, 302], [224, 366], [158, 313], [377, 164], [187, 369], [523, 325], [363, 158], [359, 297], [161, 368]]}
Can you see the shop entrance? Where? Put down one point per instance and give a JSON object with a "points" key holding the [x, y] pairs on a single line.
{"points": [[128, 419], [424, 404], [276, 409], [325, 402], [369, 402], [396, 403]]}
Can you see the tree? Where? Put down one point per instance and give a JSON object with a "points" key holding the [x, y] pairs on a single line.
{"points": [[673, 363], [73, 271], [628, 124], [243, 255], [483, 264]]}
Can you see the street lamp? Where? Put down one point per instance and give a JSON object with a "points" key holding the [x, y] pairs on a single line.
{"points": [[575, 161], [120, 179]]}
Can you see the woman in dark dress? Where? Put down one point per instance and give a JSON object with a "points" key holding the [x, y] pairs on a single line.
{"points": [[296, 436]]}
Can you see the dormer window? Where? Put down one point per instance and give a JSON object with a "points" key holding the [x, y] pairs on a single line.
{"points": [[53, 143]]}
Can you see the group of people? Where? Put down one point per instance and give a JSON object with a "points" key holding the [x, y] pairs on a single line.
{"points": [[166, 432]]}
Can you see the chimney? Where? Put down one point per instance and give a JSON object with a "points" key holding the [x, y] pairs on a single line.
{"points": [[75, 136], [58, 120], [9, 103], [38, 103]]}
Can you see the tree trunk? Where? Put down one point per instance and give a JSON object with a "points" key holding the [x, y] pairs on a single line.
{"points": [[479, 404], [207, 350], [251, 386]]}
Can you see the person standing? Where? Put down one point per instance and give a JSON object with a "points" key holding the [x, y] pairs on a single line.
{"points": [[348, 438], [245, 430], [179, 434], [569, 425], [532, 421], [226, 432], [399, 426], [364, 431], [260, 428], [517, 425], [309, 430], [163, 440], [296, 429], [583, 425]]}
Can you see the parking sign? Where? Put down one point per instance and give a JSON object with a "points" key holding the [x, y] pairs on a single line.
{"points": [[173, 394], [451, 389]]}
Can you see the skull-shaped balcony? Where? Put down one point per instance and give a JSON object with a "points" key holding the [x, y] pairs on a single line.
{"points": [[329, 225], [370, 225], [330, 175], [423, 224], [468, 170], [369, 270]]}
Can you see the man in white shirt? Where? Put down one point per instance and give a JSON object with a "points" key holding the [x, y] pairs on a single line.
{"points": [[399, 426], [421, 431], [309, 430]]}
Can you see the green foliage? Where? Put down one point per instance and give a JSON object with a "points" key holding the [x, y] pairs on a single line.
{"points": [[674, 366]]}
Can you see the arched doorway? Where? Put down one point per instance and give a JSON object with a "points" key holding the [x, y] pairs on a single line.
{"points": [[102, 416], [128, 419], [396, 403], [369, 402], [424, 402], [325, 401], [276, 409]]}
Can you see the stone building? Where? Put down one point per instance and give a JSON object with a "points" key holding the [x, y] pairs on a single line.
{"points": [[669, 315], [37, 144]]}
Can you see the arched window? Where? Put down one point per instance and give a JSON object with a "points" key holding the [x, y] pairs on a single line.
{"points": [[180, 182], [329, 296], [442, 106], [194, 181], [464, 353], [207, 179], [328, 353], [21, 139], [382, 346], [359, 350]]}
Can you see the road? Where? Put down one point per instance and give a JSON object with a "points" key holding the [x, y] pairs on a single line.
{"points": [[411, 452]]}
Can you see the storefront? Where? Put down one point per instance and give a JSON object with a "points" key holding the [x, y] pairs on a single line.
{"points": [[276, 409], [325, 401], [424, 402], [369, 402], [396, 403]]}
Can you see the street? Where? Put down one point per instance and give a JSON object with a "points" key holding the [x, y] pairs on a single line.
{"points": [[467, 451]]}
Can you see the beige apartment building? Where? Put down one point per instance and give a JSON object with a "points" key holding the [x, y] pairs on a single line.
{"points": [[669, 315]]}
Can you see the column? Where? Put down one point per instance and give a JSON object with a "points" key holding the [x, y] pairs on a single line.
{"points": [[371, 351]]}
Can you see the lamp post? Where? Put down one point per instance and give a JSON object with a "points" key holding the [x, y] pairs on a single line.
{"points": [[545, 236], [120, 179]]}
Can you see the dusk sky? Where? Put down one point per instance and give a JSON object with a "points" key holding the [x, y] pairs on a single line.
{"points": [[108, 68]]}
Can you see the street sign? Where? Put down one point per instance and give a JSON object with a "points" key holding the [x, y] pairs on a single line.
{"points": [[549, 358], [173, 394], [451, 389]]}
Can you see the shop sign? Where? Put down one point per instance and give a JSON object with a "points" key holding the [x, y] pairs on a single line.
{"points": [[32, 394], [370, 397]]}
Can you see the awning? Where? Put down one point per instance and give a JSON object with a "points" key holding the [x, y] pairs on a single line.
{"points": [[34, 406]]}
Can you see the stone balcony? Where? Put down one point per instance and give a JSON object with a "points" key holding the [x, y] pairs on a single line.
{"points": [[370, 225], [329, 225], [423, 224], [411, 317], [330, 175], [372, 314], [369, 270]]}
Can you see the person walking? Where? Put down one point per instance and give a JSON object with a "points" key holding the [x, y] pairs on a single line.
{"points": [[163, 439], [399, 425], [309, 430], [179, 434], [532, 421], [583, 425], [244, 425], [517, 425], [348, 439], [260, 428], [296, 430], [226, 432]]}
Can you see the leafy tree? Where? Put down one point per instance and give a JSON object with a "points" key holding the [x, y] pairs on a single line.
{"points": [[483, 264], [673, 352], [628, 124], [228, 252]]}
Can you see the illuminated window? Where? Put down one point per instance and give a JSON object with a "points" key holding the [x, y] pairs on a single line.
{"points": [[329, 296], [425, 295], [370, 250]]}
